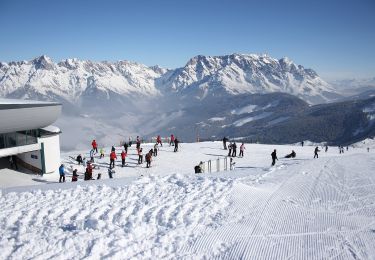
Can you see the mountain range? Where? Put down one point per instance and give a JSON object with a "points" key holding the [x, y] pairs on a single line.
{"points": [[241, 95]]}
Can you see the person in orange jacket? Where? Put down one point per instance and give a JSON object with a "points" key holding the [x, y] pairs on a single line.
{"points": [[123, 156], [112, 158]]}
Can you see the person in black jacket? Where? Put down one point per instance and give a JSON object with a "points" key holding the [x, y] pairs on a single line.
{"points": [[316, 152], [176, 141], [234, 148], [274, 157], [230, 149], [225, 140]]}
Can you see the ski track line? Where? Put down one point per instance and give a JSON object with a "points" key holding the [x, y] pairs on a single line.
{"points": [[298, 220]]}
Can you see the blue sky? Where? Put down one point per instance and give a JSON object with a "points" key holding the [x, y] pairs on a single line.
{"points": [[336, 38]]}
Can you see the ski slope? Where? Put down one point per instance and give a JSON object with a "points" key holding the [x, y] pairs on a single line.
{"points": [[301, 208]]}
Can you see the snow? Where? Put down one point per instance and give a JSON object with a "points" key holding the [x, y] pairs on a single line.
{"points": [[246, 120], [215, 119], [53, 129], [301, 208], [244, 110]]}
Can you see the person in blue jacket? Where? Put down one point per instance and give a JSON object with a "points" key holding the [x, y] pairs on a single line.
{"points": [[62, 173]]}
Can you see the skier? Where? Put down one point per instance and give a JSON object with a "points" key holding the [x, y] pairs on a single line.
{"points": [[347, 148], [148, 159], [156, 149], [326, 149], [113, 149], [230, 149], [158, 140], [172, 140], [75, 175], [140, 156], [368, 149], [291, 155], [234, 148], [126, 147], [225, 140], [92, 152], [79, 159], [302, 143], [112, 158], [274, 157], [62, 173], [242, 148], [130, 142], [176, 141], [94, 145], [123, 156], [138, 142], [101, 153], [316, 152]]}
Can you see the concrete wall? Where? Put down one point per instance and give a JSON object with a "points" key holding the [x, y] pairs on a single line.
{"points": [[19, 149], [51, 152]]}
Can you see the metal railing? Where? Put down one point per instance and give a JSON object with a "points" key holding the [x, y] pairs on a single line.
{"points": [[218, 165]]}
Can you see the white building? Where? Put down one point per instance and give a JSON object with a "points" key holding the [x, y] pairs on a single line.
{"points": [[26, 135]]}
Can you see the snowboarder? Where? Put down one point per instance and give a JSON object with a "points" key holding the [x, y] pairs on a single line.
{"points": [[199, 168], [140, 156], [242, 148], [316, 151], [79, 159], [62, 173], [172, 140], [291, 155], [123, 156], [230, 149], [234, 148], [101, 153], [225, 140], [176, 141], [88, 173], [112, 158], [158, 140], [156, 150], [75, 175], [94, 145], [148, 159], [274, 157]]}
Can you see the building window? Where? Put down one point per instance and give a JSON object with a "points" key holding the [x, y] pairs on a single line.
{"points": [[19, 138]]}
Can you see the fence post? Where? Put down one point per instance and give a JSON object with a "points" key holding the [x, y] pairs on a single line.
{"points": [[225, 163], [209, 166], [217, 165]]}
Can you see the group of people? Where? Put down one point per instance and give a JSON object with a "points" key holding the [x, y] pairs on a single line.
{"points": [[232, 147], [89, 164]]}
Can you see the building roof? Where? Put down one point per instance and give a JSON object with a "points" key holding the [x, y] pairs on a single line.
{"points": [[20, 115]]}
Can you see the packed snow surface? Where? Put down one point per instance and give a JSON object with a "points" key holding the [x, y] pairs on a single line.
{"points": [[301, 208]]}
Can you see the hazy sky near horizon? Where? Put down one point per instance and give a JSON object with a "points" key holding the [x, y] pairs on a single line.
{"points": [[334, 37]]}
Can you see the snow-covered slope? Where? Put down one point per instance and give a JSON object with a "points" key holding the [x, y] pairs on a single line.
{"points": [[241, 73], [231, 74], [301, 208]]}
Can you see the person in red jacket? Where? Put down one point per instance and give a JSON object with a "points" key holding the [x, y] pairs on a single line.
{"points": [[158, 140], [172, 140], [112, 158], [94, 145], [123, 156]]}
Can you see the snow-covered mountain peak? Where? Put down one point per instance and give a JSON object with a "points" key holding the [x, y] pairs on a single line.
{"points": [[201, 76]]}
